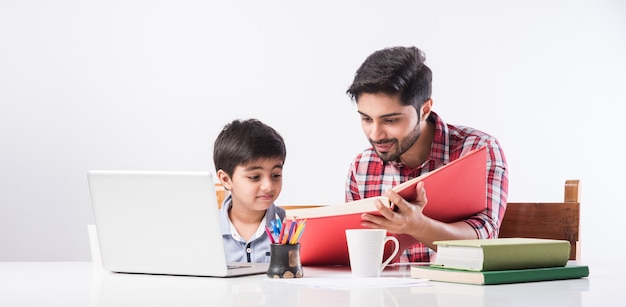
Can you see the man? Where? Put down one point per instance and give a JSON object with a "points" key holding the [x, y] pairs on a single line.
{"points": [[392, 91]]}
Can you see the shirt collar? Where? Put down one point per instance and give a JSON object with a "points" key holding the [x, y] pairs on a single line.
{"points": [[225, 221]]}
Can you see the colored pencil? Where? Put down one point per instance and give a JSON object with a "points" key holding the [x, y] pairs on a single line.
{"points": [[269, 234]]}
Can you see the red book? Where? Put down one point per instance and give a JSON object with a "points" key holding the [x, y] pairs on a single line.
{"points": [[454, 191]]}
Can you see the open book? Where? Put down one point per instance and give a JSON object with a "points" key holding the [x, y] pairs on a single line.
{"points": [[454, 191]]}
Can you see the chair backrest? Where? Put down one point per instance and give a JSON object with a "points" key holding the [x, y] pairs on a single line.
{"points": [[221, 193], [549, 220]]}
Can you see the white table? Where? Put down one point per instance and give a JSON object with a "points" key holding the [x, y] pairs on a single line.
{"points": [[83, 284]]}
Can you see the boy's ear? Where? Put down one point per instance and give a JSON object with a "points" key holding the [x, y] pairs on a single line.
{"points": [[224, 179]]}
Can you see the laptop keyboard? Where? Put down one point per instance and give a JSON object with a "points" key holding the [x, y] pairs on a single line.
{"points": [[238, 266]]}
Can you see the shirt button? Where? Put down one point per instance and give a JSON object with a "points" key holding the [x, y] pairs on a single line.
{"points": [[248, 250]]}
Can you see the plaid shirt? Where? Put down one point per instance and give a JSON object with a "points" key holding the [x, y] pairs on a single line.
{"points": [[369, 176]]}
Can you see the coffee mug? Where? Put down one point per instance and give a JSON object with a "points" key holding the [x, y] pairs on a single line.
{"points": [[365, 249]]}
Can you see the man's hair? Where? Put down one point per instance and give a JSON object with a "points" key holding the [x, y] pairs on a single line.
{"points": [[244, 141], [394, 71]]}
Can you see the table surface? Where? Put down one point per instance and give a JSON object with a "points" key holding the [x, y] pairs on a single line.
{"points": [[85, 284]]}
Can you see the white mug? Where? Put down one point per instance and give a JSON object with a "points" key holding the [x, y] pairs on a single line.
{"points": [[365, 248]]}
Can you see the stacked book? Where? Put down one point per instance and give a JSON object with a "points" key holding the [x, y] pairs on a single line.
{"points": [[501, 261]]}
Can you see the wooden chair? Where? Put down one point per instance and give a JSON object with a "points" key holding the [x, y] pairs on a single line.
{"points": [[221, 193], [550, 220]]}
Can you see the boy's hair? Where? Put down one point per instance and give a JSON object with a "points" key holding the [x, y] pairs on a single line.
{"points": [[244, 141], [394, 71]]}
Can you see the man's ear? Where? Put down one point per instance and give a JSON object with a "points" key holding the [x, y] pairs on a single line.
{"points": [[425, 110], [224, 179]]}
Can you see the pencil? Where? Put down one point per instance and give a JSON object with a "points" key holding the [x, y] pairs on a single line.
{"points": [[298, 232], [278, 224], [301, 231], [292, 228], [282, 231], [269, 234]]}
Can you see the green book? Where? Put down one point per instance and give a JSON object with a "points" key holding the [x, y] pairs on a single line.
{"points": [[434, 273], [501, 254]]}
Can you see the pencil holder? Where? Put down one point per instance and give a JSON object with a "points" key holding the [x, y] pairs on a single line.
{"points": [[285, 261]]}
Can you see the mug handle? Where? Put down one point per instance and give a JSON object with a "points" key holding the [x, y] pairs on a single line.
{"points": [[393, 254]]}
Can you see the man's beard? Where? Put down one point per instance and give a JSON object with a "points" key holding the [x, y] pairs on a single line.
{"points": [[399, 147]]}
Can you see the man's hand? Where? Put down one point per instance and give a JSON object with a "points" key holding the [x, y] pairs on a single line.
{"points": [[408, 218]]}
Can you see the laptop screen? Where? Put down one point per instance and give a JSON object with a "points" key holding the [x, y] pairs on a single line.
{"points": [[158, 222]]}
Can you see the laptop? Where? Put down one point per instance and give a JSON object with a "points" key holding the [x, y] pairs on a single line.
{"points": [[158, 222]]}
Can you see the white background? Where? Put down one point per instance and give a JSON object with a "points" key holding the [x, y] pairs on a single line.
{"points": [[147, 85]]}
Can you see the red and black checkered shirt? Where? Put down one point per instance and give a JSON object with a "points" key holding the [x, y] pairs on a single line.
{"points": [[369, 176]]}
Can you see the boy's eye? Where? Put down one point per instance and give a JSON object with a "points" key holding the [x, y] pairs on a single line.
{"points": [[255, 177], [277, 175]]}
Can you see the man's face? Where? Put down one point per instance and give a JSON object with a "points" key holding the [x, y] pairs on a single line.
{"points": [[390, 127]]}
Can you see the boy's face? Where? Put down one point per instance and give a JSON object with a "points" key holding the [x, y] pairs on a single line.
{"points": [[256, 185]]}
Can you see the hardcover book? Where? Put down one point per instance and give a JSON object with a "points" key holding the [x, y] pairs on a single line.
{"points": [[455, 191], [501, 253], [435, 273]]}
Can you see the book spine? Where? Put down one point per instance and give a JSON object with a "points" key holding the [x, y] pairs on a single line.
{"points": [[517, 276], [525, 256]]}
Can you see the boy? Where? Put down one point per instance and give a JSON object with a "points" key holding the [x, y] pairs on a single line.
{"points": [[249, 158]]}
